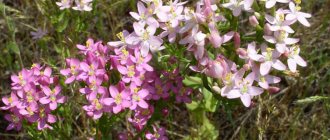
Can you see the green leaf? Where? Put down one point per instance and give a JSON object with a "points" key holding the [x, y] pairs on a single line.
{"points": [[192, 81], [62, 26], [193, 105], [12, 46], [210, 101]]}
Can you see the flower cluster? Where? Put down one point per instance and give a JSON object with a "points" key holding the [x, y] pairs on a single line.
{"points": [[35, 94], [126, 75], [198, 29], [137, 82], [80, 5]]}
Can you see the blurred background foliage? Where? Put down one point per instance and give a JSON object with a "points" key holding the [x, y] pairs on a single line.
{"points": [[300, 111]]}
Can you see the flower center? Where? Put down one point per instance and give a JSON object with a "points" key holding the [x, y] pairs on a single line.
{"points": [[118, 99], [121, 36], [131, 71], [136, 97]]}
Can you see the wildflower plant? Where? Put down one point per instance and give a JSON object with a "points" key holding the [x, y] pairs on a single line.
{"points": [[174, 52]]}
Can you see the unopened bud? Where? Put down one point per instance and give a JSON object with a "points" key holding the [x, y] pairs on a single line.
{"points": [[257, 15], [237, 40], [253, 21], [273, 90], [216, 89], [165, 112], [267, 30], [242, 52], [246, 67]]}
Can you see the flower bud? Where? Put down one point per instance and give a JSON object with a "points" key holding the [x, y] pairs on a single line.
{"points": [[237, 40], [267, 30], [242, 52], [273, 90], [246, 67], [217, 89], [253, 21], [257, 15], [165, 112]]}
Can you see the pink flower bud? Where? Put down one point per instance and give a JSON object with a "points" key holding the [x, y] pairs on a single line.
{"points": [[217, 68], [165, 112], [253, 21], [242, 52], [273, 90], [267, 30], [237, 40], [246, 67]]}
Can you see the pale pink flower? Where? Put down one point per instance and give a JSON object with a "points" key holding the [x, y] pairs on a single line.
{"points": [[268, 59], [245, 90], [83, 5], [278, 22], [271, 3], [64, 4], [147, 39], [294, 59], [238, 5], [295, 15], [281, 39], [144, 15]]}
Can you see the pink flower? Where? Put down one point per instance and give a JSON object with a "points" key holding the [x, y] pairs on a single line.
{"points": [[44, 118], [131, 74], [90, 69], [73, 71], [147, 39], [159, 134], [126, 40], [238, 5], [244, 90], [217, 68], [52, 97], [83, 5], [182, 96], [295, 15], [172, 14], [265, 80], [98, 105], [24, 78], [268, 59], [120, 99], [15, 121], [141, 62], [90, 46], [169, 31], [10, 101], [229, 81], [138, 97], [215, 37], [294, 59], [93, 88], [271, 3], [144, 16], [159, 90], [281, 39], [278, 22], [44, 77], [64, 4]]}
